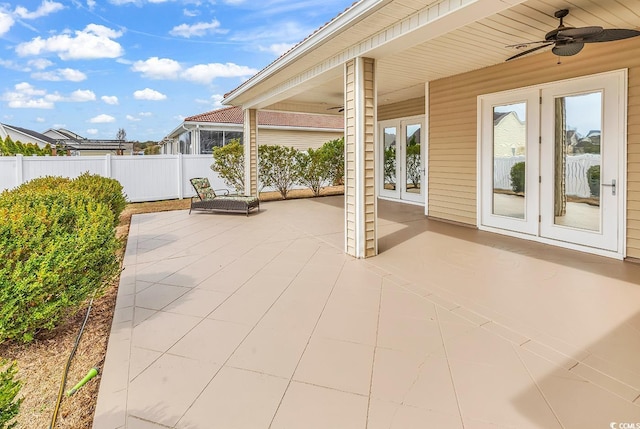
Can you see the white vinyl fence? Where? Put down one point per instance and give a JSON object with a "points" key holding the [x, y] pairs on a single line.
{"points": [[144, 178], [576, 172]]}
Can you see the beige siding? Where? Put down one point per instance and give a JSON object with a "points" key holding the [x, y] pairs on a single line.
{"points": [[253, 151], [453, 125], [365, 182], [412, 107], [301, 140]]}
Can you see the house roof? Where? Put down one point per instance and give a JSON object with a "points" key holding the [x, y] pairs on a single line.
{"points": [[31, 133], [234, 115]]}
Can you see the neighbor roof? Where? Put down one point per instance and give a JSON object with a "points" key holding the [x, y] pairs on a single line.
{"points": [[31, 133], [234, 115]]}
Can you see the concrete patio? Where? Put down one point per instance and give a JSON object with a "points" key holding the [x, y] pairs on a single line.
{"points": [[227, 321]]}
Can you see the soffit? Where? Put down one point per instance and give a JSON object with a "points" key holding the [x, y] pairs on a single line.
{"points": [[478, 45]]}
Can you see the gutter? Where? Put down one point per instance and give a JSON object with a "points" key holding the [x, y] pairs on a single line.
{"points": [[346, 19]]}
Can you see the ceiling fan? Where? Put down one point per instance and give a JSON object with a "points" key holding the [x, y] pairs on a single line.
{"points": [[569, 41], [340, 108]]}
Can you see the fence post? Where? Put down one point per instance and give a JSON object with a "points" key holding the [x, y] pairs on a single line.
{"points": [[107, 165], [19, 169], [180, 193]]}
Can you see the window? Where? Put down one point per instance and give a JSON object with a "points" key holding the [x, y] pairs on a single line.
{"points": [[210, 139]]}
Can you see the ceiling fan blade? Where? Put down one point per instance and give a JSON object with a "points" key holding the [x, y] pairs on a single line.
{"points": [[579, 33], [525, 44], [528, 51], [611, 35], [567, 49]]}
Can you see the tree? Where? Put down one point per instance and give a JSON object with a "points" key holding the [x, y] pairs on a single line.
{"points": [[121, 135], [333, 150], [228, 162], [10, 148], [277, 167], [314, 168]]}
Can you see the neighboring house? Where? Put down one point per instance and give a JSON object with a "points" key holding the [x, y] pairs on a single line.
{"points": [[199, 134], [440, 65], [24, 135], [75, 144], [509, 134]]}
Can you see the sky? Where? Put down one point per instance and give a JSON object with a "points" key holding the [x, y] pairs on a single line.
{"points": [[584, 112], [94, 67]]}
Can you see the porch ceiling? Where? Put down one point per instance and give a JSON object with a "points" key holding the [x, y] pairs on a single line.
{"points": [[403, 72]]}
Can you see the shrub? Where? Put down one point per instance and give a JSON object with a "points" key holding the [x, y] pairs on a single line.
{"points": [[313, 169], [518, 177], [10, 148], [277, 167], [102, 189], [333, 150], [228, 162], [9, 388], [593, 179], [57, 247]]}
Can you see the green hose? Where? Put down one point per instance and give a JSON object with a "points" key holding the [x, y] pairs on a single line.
{"points": [[54, 417]]}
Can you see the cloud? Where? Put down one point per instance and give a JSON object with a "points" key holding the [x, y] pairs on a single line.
{"points": [[61, 75], [277, 48], [145, 114], [6, 22], [165, 68], [95, 41], [190, 13], [110, 99], [149, 94], [25, 95], [82, 95], [133, 118], [46, 8], [102, 119], [206, 73], [217, 100], [92, 131], [40, 120], [158, 68], [91, 4], [40, 63], [199, 29]]}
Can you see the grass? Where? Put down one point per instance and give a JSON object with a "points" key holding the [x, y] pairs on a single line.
{"points": [[41, 363]]}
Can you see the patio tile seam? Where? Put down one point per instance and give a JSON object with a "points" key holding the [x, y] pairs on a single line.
{"points": [[197, 324], [225, 363], [306, 346], [375, 348], [451, 378], [537, 386]]}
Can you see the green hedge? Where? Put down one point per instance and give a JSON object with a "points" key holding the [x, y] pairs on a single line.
{"points": [[58, 245], [518, 177], [9, 389]]}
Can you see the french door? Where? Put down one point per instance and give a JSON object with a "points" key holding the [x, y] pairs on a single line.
{"points": [[551, 162], [401, 154]]}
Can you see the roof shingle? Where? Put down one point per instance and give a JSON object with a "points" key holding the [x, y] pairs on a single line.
{"points": [[233, 115]]}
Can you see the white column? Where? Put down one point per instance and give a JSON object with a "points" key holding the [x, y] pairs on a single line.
{"points": [[250, 142]]}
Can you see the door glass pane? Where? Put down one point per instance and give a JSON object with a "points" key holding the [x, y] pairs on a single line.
{"points": [[389, 166], [578, 126], [412, 162], [509, 148]]}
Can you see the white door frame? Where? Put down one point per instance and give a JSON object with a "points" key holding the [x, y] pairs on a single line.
{"points": [[400, 194], [615, 92]]}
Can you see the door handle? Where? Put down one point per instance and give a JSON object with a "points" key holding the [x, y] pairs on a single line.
{"points": [[612, 186]]}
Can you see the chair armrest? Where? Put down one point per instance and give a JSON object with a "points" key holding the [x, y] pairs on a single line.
{"points": [[223, 191]]}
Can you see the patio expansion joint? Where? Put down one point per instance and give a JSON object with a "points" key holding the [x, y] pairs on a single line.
{"points": [[375, 347], [224, 364], [538, 388], [451, 378], [315, 326]]}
